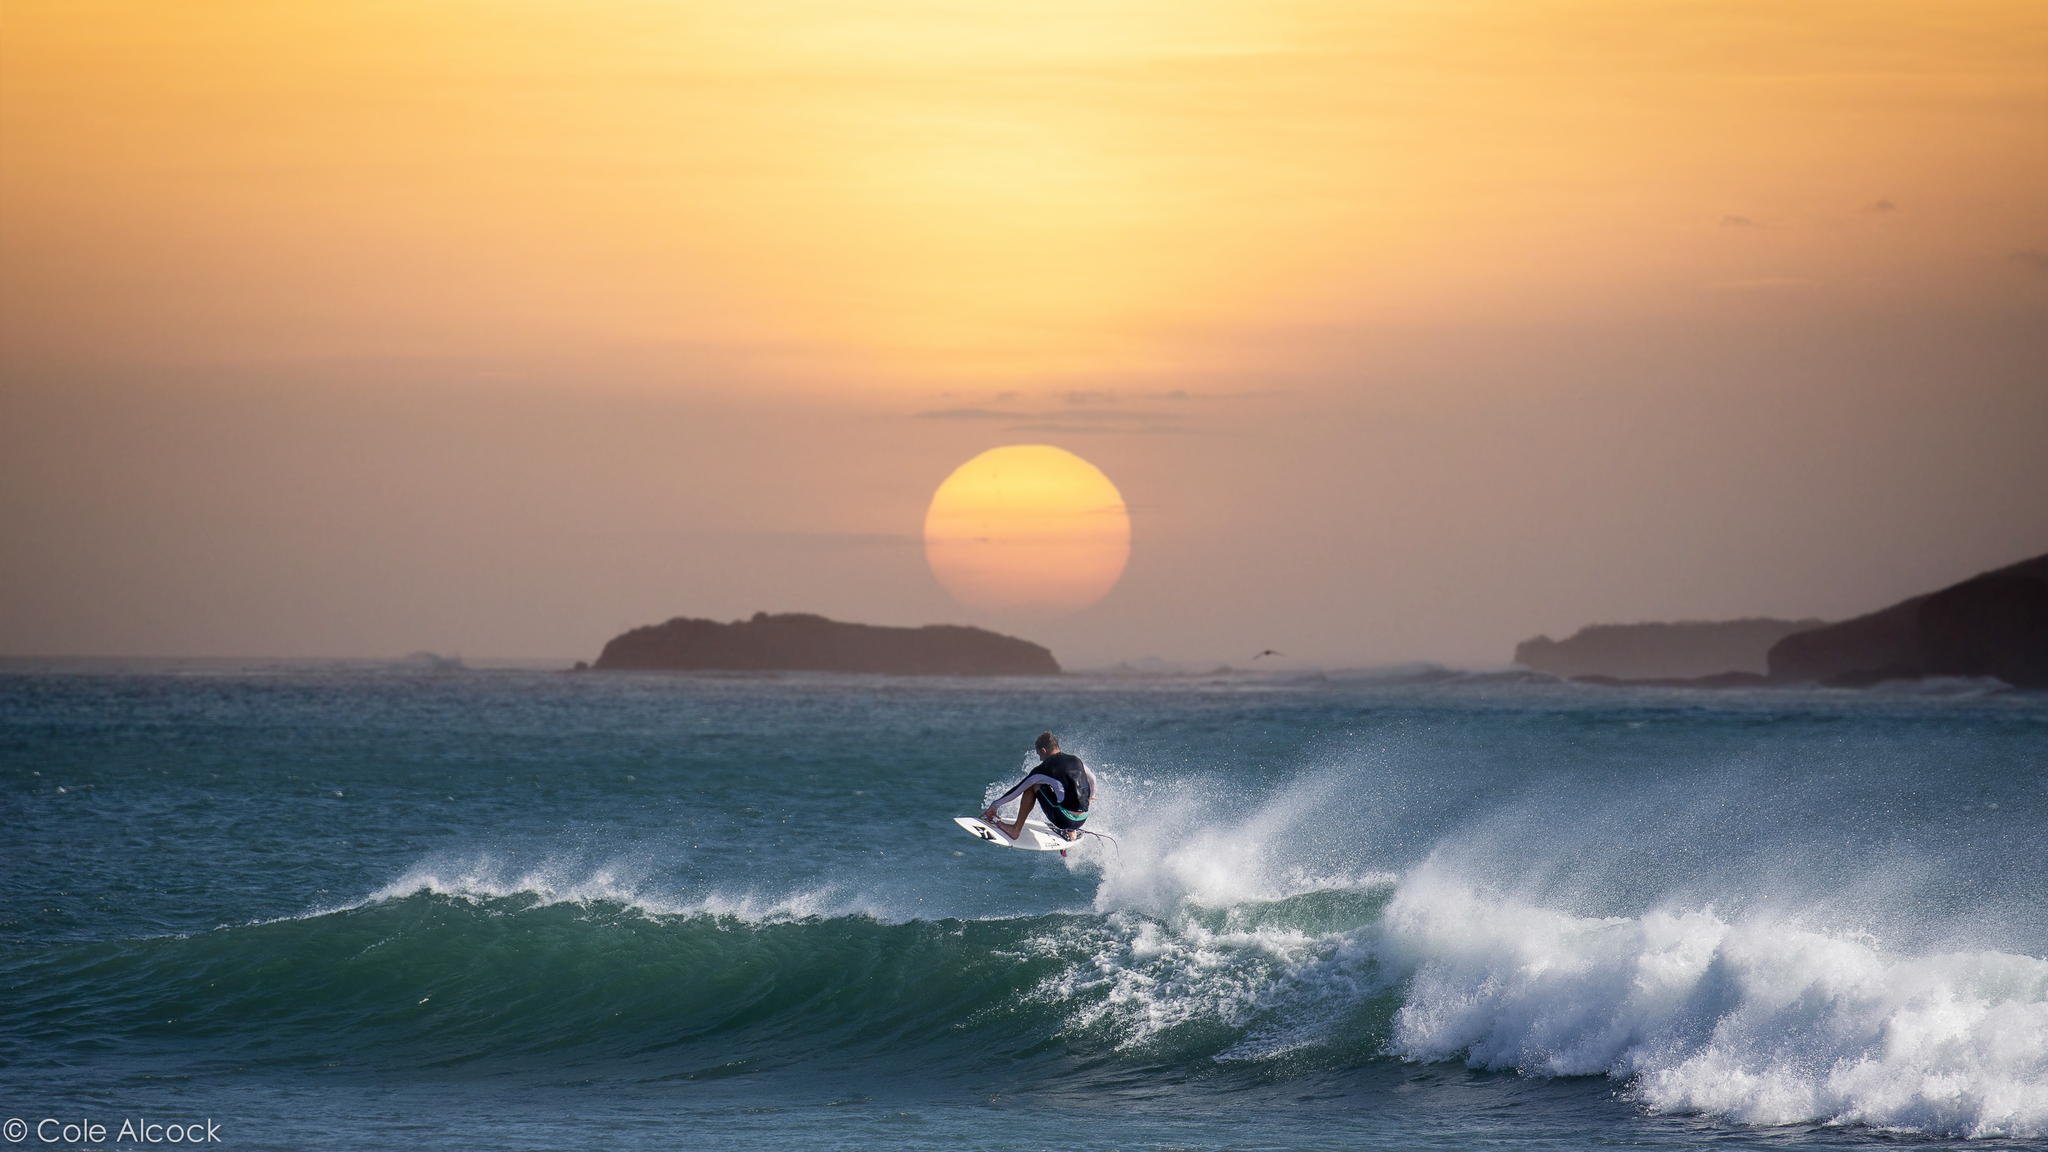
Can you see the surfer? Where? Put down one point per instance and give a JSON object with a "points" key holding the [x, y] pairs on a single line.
{"points": [[1061, 786]]}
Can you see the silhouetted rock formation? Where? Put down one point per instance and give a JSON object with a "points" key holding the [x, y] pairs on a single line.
{"points": [[1681, 651], [797, 642], [1995, 624]]}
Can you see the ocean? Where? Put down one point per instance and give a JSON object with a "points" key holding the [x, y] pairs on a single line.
{"points": [[350, 906]]}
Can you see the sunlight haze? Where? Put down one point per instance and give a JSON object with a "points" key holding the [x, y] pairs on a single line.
{"points": [[1406, 330]]}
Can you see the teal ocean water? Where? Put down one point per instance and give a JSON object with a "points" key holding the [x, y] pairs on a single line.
{"points": [[336, 907]]}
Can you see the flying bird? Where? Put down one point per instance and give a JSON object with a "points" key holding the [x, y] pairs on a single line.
{"points": [[1268, 652]]}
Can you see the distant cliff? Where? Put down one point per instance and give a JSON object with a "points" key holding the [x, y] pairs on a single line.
{"points": [[799, 642], [1684, 650], [1995, 624]]}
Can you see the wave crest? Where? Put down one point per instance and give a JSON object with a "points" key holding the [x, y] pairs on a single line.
{"points": [[1758, 1023], [623, 884]]}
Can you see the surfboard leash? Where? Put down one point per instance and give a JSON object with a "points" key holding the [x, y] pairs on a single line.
{"points": [[1106, 836]]}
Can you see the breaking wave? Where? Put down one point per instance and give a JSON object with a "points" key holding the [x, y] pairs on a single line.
{"points": [[1256, 945]]}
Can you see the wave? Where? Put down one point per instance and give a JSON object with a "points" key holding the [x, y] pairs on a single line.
{"points": [[1223, 935], [1943, 686], [1756, 1023], [1761, 1023], [492, 880]]}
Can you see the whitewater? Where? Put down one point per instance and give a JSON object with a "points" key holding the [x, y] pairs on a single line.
{"points": [[1395, 911]]}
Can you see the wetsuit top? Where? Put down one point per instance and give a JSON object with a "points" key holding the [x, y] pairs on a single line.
{"points": [[1066, 782]]}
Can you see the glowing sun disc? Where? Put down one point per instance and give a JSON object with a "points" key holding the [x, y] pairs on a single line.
{"points": [[1027, 527]]}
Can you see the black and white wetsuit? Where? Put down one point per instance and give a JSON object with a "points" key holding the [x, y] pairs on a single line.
{"points": [[1065, 786]]}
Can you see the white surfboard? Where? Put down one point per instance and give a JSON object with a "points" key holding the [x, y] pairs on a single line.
{"points": [[1035, 836]]}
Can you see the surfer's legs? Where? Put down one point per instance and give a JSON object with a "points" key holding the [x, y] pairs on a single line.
{"points": [[1052, 816], [1024, 804]]}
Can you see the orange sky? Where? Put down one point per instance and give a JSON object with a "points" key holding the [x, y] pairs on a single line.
{"points": [[349, 328]]}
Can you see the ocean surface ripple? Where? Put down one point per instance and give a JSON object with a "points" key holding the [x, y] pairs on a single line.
{"points": [[1767, 914]]}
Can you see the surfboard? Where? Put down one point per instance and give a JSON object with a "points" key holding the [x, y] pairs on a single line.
{"points": [[1035, 837]]}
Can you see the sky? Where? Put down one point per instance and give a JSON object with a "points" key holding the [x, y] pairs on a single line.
{"points": [[1406, 330]]}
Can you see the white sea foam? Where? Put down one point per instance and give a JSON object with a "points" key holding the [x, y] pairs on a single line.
{"points": [[573, 881], [1761, 1023], [1137, 978], [1748, 1019], [1196, 921], [1755, 1023]]}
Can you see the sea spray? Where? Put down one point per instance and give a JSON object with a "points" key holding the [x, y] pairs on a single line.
{"points": [[1755, 1022]]}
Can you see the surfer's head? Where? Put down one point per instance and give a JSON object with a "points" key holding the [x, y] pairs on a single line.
{"points": [[1047, 744]]}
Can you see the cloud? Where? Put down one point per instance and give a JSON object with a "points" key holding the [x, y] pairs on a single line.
{"points": [[1733, 221], [1069, 420], [1880, 206], [1162, 426], [1089, 411], [819, 540], [2031, 258], [965, 414], [1086, 416]]}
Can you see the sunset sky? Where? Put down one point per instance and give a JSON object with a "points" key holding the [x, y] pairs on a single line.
{"points": [[1405, 330]]}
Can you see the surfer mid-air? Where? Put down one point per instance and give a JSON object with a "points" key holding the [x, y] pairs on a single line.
{"points": [[1061, 787]]}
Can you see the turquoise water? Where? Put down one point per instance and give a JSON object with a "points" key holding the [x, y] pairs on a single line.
{"points": [[347, 907]]}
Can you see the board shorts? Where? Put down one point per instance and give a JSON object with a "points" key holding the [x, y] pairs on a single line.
{"points": [[1057, 816]]}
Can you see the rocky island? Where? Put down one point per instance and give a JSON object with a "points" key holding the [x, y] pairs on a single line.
{"points": [[1679, 651], [799, 642], [1994, 624], [1991, 625]]}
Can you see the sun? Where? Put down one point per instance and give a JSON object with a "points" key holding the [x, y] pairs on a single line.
{"points": [[1027, 527]]}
